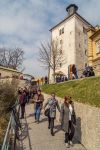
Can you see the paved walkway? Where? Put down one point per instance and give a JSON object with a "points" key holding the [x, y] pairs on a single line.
{"points": [[39, 137]]}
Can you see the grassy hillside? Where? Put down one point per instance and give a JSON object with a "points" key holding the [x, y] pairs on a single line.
{"points": [[85, 90]]}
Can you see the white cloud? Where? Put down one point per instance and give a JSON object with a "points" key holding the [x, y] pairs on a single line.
{"points": [[35, 67], [89, 9]]}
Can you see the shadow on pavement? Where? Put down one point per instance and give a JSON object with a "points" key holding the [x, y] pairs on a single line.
{"points": [[58, 128], [43, 120]]}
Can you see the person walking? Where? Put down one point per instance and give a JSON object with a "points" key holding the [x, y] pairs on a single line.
{"points": [[27, 94], [22, 102], [38, 104], [52, 103], [68, 120]]}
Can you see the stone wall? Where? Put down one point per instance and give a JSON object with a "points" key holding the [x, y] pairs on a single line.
{"points": [[21, 83], [88, 124]]}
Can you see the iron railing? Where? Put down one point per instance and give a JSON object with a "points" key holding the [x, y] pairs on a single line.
{"points": [[9, 135]]}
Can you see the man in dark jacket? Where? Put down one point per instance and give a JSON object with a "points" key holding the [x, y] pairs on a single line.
{"points": [[22, 101], [38, 103]]}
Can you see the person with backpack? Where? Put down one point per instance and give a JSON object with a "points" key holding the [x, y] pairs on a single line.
{"points": [[68, 120], [22, 102], [38, 104], [52, 104]]}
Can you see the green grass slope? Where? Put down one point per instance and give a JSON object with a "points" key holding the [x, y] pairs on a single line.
{"points": [[85, 90]]}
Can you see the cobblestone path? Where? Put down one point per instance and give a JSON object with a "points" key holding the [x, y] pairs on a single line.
{"points": [[39, 137]]}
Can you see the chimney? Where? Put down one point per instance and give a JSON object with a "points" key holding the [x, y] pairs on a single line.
{"points": [[71, 9]]}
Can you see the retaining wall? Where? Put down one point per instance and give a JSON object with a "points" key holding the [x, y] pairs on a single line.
{"points": [[88, 124]]}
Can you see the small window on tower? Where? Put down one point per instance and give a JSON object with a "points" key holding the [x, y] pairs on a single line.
{"points": [[61, 42], [85, 64], [70, 32], [62, 30], [61, 51], [98, 46], [60, 65], [84, 30], [85, 41], [86, 52]]}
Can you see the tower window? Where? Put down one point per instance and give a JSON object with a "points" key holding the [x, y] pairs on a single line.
{"points": [[84, 30], [85, 41], [86, 52], [60, 41], [62, 30], [60, 65], [98, 46], [61, 51], [70, 32]]}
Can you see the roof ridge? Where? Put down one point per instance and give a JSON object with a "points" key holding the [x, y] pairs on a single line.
{"points": [[68, 17]]}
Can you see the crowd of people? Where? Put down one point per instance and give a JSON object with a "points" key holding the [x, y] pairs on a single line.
{"points": [[67, 112], [24, 96]]}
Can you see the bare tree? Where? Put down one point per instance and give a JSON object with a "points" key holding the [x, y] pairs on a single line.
{"points": [[11, 58], [51, 56]]}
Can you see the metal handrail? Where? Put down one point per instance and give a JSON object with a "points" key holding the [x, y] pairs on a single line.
{"points": [[6, 141], [9, 133]]}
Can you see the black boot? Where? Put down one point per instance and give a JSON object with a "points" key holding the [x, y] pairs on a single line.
{"points": [[48, 126], [52, 133]]}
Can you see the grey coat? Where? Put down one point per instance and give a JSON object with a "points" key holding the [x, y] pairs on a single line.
{"points": [[52, 104], [64, 117]]}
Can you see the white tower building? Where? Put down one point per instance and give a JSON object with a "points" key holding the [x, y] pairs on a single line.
{"points": [[71, 34]]}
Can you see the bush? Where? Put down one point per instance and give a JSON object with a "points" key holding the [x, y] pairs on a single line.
{"points": [[7, 96]]}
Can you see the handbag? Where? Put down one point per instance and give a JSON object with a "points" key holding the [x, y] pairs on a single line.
{"points": [[47, 112]]}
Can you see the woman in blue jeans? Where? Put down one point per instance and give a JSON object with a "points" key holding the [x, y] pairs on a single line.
{"points": [[38, 99]]}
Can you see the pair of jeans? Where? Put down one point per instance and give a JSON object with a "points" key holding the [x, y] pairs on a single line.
{"points": [[70, 134], [51, 123], [37, 112]]}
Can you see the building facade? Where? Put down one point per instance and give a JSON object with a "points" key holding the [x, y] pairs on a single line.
{"points": [[94, 48], [9, 73], [71, 35], [12, 76]]}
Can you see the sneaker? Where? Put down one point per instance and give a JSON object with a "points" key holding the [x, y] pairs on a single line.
{"points": [[48, 127], [38, 122], [52, 134], [71, 143], [67, 145]]}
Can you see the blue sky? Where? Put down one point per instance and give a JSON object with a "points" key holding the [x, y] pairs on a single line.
{"points": [[26, 23]]}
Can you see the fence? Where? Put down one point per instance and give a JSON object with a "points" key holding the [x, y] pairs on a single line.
{"points": [[7, 143]]}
